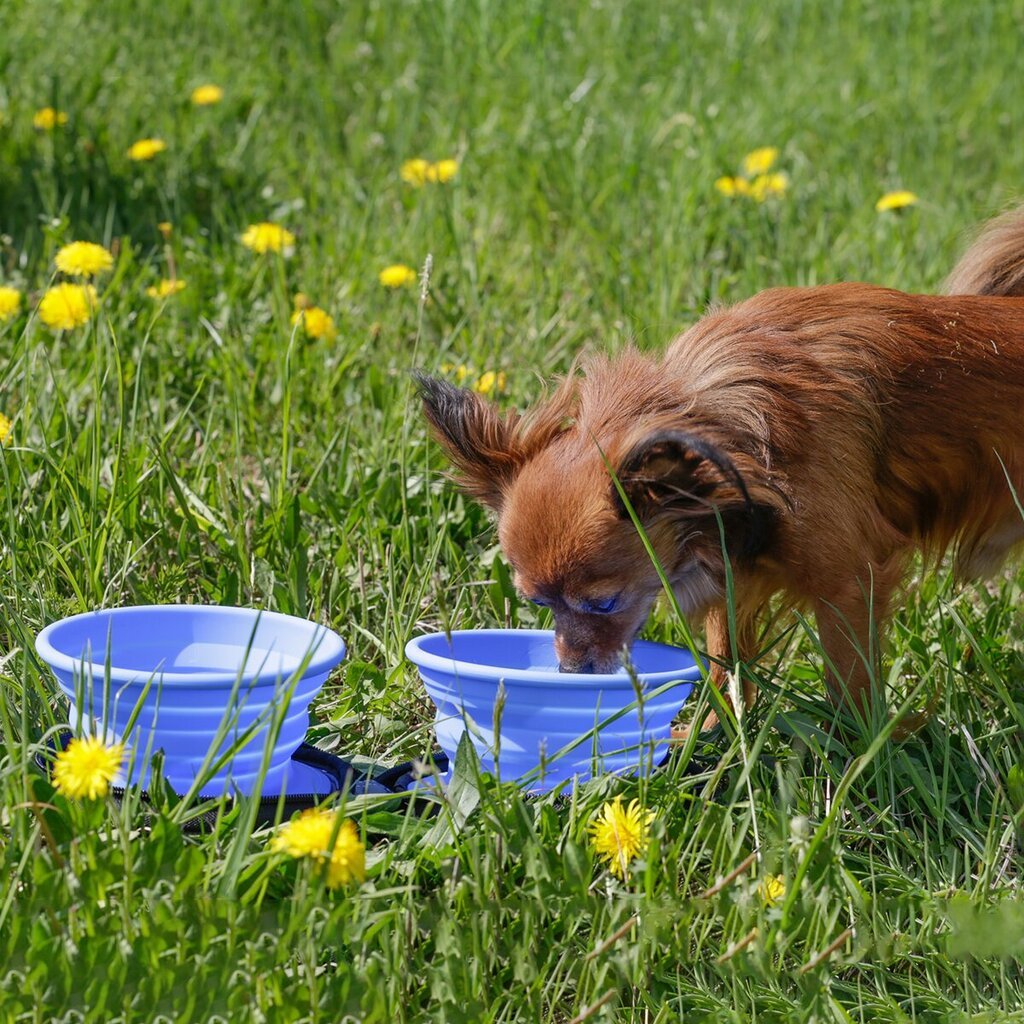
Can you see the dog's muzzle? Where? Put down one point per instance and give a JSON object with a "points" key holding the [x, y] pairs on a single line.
{"points": [[586, 668]]}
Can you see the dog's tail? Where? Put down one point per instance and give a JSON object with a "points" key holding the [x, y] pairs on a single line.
{"points": [[994, 264]]}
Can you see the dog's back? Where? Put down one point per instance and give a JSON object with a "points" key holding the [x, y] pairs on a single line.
{"points": [[902, 413]]}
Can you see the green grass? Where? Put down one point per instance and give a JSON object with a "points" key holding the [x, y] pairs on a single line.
{"points": [[203, 451]]}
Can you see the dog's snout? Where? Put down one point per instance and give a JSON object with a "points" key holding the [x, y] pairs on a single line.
{"points": [[580, 647], [586, 667]]}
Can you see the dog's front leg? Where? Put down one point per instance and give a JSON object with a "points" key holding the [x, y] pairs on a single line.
{"points": [[849, 643], [723, 659]]}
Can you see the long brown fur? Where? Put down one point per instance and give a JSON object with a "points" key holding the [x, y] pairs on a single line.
{"points": [[830, 432]]}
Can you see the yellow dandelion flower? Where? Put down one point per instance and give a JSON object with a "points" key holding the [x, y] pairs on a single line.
{"points": [[207, 95], [146, 149], [268, 237], [618, 834], [443, 170], [166, 228], [316, 322], [772, 889], [414, 172], [490, 382], [348, 858], [760, 161], [733, 186], [309, 835], [895, 201], [47, 119], [166, 288], [65, 306], [767, 185], [6, 426], [397, 275], [83, 259], [10, 303], [86, 767]]}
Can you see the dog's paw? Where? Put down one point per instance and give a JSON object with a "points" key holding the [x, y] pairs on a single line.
{"points": [[680, 734]]}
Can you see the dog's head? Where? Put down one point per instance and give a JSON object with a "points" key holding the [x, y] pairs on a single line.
{"points": [[562, 482]]}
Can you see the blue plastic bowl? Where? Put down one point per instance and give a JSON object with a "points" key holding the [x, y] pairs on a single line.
{"points": [[236, 673], [554, 726]]}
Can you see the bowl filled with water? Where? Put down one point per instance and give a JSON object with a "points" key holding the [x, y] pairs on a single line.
{"points": [[530, 722]]}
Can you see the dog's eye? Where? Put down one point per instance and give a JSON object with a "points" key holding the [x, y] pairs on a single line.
{"points": [[604, 606], [538, 601]]}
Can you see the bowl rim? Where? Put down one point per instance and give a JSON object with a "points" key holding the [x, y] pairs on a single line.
{"points": [[414, 651], [328, 647]]}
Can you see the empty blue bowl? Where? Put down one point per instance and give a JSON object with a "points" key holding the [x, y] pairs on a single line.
{"points": [[202, 681], [554, 726]]}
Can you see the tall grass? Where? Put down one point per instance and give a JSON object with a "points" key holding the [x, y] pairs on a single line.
{"points": [[203, 449]]}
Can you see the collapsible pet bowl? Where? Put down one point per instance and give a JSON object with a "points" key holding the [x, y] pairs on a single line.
{"points": [[553, 726], [202, 683]]}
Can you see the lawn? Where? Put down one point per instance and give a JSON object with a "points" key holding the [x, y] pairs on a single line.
{"points": [[205, 447]]}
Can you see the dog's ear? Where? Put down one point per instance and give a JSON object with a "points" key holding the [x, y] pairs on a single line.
{"points": [[481, 443], [665, 472], [675, 473]]}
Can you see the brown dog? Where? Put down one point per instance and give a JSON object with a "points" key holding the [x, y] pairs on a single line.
{"points": [[825, 433]]}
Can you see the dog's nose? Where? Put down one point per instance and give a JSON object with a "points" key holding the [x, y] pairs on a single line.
{"points": [[586, 667]]}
